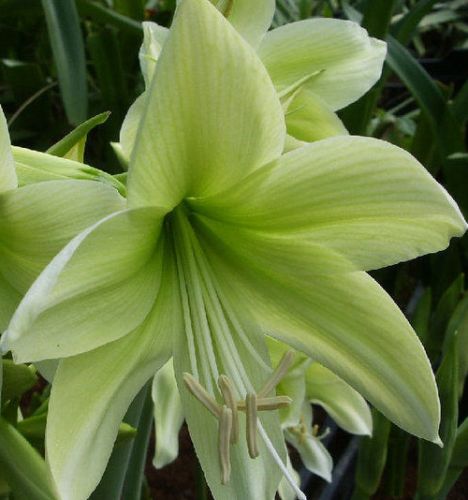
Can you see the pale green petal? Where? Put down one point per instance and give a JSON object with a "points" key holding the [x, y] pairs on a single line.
{"points": [[9, 300], [285, 491], [92, 391], [305, 259], [346, 406], [245, 361], [212, 114], [8, 178], [37, 221], [168, 416], [251, 19], [33, 166], [80, 301], [309, 119], [154, 37], [314, 455], [361, 197], [129, 129], [340, 59], [346, 322]]}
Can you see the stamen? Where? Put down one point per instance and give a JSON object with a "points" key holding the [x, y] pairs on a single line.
{"points": [[265, 404], [227, 391], [251, 424], [279, 372], [202, 395], [224, 440]]}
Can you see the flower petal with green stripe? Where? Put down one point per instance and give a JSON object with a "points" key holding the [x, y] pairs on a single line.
{"points": [[224, 239]]}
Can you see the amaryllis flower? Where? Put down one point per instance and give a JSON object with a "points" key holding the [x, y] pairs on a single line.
{"points": [[225, 238]]}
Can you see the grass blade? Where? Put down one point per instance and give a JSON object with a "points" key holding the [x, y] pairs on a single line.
{"points": [[68, 49]]}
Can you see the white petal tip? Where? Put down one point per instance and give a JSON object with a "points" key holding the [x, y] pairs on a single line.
{"points": [[438, 442]]}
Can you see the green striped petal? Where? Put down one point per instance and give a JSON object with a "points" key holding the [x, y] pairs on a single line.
{"points": [[168, 416], [363, 198], [335, 59], [80, 300], [207, 75], [92, 391], [309, 119], [346, 322], [346, 406]]}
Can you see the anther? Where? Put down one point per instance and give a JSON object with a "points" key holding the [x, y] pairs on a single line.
{"points": [[279, 372], [266, 404], [224, 440], [202, 395], [227, 392], [251, 424]]}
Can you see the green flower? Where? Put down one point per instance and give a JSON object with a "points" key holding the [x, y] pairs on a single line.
{"points": [[317, 66], [225, 238]]}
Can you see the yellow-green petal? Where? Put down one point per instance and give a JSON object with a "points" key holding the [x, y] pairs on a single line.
{"points": [[82, 298], [363, 198], [309, 119], [337, 59], [92, 391], [211, 116], [346, 322], [346, 406]]}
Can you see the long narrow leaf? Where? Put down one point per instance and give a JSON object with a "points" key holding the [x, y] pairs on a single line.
{"points": [[434, 460], [428, 95], [25, 470], [66, 40], [102, 14]]}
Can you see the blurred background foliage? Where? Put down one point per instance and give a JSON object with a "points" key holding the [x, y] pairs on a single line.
{"points": [[64, 61]]}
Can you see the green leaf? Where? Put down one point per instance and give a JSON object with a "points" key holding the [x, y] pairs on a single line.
{"points": [[8, 178], [34, 427], [101, 14], [434, 460], [199, 68], [75, 141], [458, 325], [68, 50], [17, 379], [168, 416], [420, 319], [428, 95], [346, 406], [403, 30], [103, 46], [372, 457], [25, 470], [334, 59], [458, 462], [441, 316], [362, 198], [45, 324], [92, 391]]}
